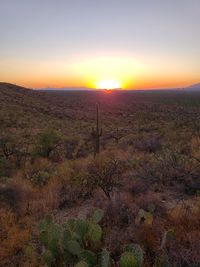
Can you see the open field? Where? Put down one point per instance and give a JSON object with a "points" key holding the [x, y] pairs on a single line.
{"points": [[144, 183]]}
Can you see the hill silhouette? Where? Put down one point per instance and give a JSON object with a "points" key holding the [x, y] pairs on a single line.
{"points": [[26, 101], [194, 87]]}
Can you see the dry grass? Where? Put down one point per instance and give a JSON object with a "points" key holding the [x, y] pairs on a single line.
{"points": [[14, 235]]}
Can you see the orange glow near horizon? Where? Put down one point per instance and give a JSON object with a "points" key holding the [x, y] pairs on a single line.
{"points": [[103, 72]]}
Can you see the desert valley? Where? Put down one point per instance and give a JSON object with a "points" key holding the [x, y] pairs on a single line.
{"points": [[63, 203]]}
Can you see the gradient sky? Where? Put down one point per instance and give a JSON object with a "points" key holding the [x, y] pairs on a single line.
{"points": [[138, 43]]}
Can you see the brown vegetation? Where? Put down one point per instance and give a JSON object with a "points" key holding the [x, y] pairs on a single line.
{"points": [[145, 179]]}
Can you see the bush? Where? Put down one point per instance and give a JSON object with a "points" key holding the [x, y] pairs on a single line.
{"points": [[7, 168], [73, 176], [105, 173], [149, 144], [11, 196], [47, 143], [171, 168], [40, 172], [90, 174], [72, 146], [13, 154], [119, 213], [13, 236]]}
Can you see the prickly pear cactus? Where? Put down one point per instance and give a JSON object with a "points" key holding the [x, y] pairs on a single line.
{"points": [[81, 228], [78, 242], [146, 216], [81, 264], [127, 259], [97, 215], [88, 256], [73, 247], [106, 260], [137, 252], [94, 234], [167, 237], [68, 244], [48, 257]]}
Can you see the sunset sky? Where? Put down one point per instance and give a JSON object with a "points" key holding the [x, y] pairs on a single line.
{"points": [[81, 43]]}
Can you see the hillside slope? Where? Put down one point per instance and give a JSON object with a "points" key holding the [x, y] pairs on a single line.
{"points": [[23, 98], [194, 87], [23, 109]]}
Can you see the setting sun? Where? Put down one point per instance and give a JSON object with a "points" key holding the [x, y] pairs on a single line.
{"points": [[108, 84]]}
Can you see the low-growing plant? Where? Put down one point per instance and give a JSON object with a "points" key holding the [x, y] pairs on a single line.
{"points": [[72, 242], [132, 257], [13, 236], [40, 172], [13, 155], [162, 261], [144, 216], [150, 144], [47, 142], [78, 242]]}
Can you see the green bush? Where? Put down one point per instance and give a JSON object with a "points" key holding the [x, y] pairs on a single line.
{"points": [[46, 143], [40, 172]]}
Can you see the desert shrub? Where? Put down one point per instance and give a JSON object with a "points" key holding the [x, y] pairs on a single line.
{"points": [[47, 142], [71, 193], [119, 213], [40, 172], [89, 174], [151, 202], [7, 168], [170, 168], [138, 187], [127, 140], [13, 197], [13, 153], [105, 172], [70, 184], [171, 240], [76, 147], [149, 144], [7, 146], [184, 248], [14, 235], [71, 144]]}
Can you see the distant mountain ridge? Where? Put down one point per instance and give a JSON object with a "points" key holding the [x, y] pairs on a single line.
{"points": [[9, 88], [194, 87]]}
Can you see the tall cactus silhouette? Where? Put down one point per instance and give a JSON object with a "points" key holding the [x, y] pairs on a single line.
{"points": [[96, 133]]}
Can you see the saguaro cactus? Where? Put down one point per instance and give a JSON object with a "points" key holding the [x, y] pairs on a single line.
{"points": [[96, 133]]}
